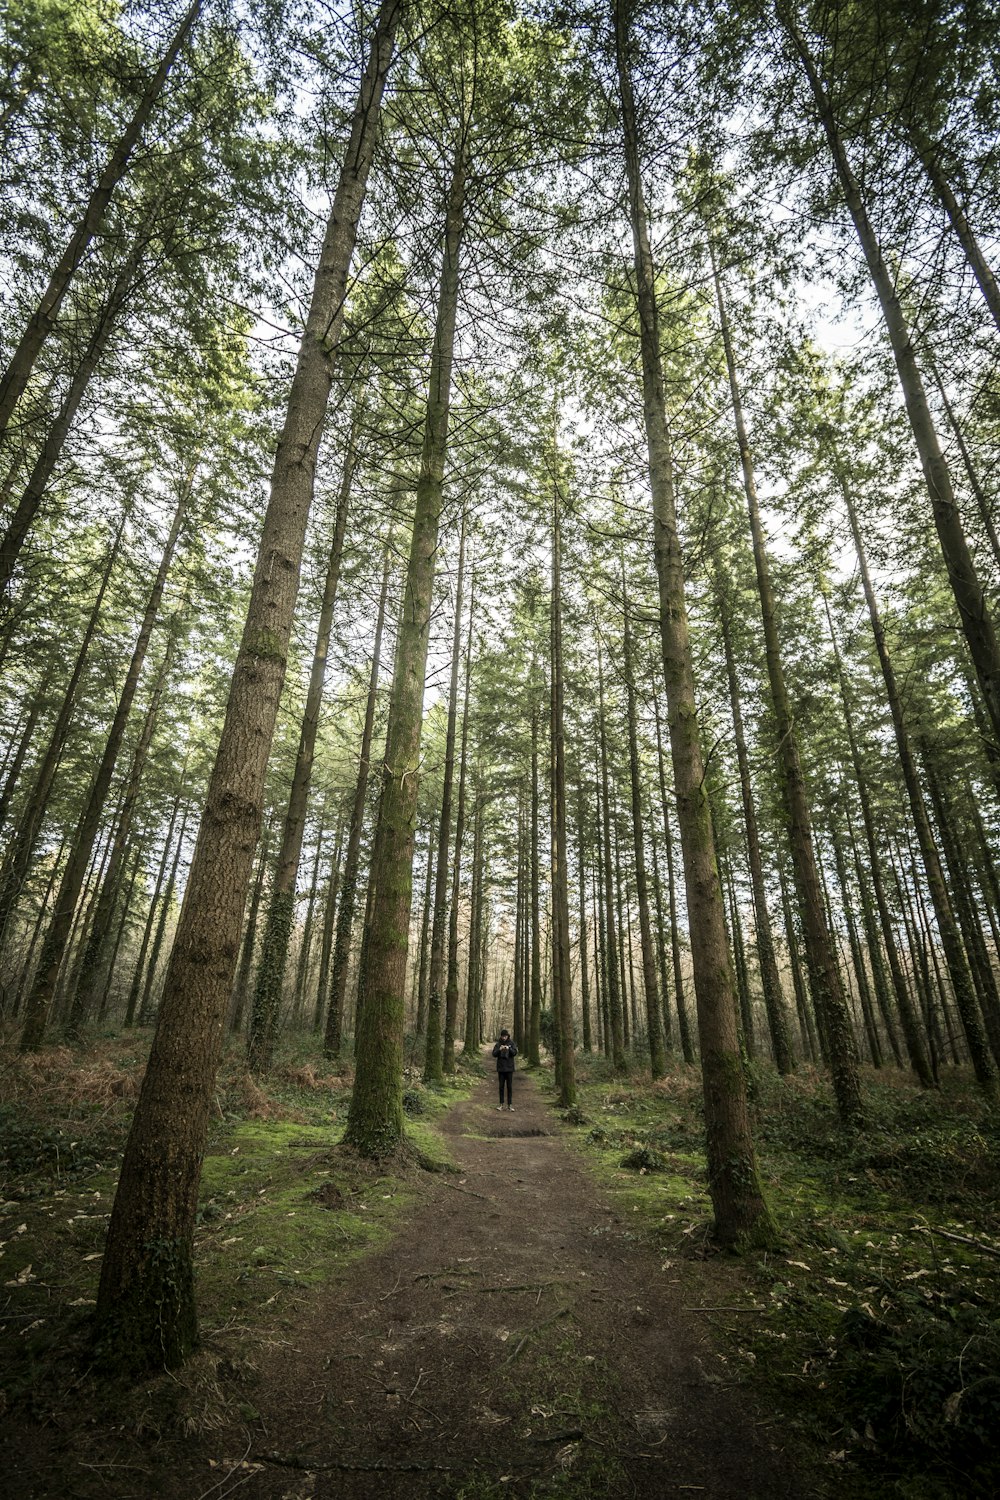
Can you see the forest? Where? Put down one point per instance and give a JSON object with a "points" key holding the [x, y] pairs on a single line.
{"points": [[499, 527]]}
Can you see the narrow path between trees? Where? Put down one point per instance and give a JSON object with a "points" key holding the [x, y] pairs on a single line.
{"points": [[515, 1339]]}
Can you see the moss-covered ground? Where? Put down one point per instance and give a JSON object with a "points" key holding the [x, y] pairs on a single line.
{"points": [[875, 1328], [281, 1210]]}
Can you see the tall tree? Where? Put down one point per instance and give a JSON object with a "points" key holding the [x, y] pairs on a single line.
{"points": [[970, 597], [737, 1198], [263, 1027], [375, 1121], [824, 970], [146, 1312]]}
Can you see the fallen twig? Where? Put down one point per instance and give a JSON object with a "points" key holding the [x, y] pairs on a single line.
{"points": [[728, 1309], [359, 1466], [471, 1192], [561, 1313], [961, 1239], [237, 1466]]}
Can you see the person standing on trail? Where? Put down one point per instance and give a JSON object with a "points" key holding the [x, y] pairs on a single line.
{"points": [[505, 1053]]}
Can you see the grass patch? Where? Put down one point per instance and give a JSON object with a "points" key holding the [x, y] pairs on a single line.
{"points": [[875, 1330]]}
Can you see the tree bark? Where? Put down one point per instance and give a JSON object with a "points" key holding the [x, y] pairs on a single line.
{"points": [[281, 907], [440, 1056], [241, 985], [38, 480], [587, 1029], [146, 1314], [17, 758], [17, 860], [615, 1039], [824, 971], [470, 1042], [741, 1214], [929, 155], [774, 1002], [375, 1121], [951, 941], [908, 1018], [680, 1000], [562, 990], [92, 967], [654, 1033], [534, 901], [349, 879]]}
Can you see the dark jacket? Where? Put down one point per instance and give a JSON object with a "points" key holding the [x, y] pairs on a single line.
{"points": [[505, 1060]]}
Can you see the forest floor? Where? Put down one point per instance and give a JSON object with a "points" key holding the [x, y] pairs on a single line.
{"points": [[513, 1336], [544, 1317], [515, 1339]]}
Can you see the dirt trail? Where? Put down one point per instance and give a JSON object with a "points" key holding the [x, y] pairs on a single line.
{"points": [[513, 1340]]}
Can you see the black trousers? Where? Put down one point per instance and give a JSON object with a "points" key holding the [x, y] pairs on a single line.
{"points": [[505, 1081]]}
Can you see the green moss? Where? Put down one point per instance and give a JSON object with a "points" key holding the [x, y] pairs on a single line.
{"points": [[266, 646], [873, 1337], [281, 1208]]}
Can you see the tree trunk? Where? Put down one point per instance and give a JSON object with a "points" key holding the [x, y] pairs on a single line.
{"points": [[54, 944], [40, 325], [883, 999], [281, 907], [737, 1199], [375, 1121], [982, 500], [329, 924], [470, 1044], [929, 154], [965, 905], [857, 956], [146, 1007], [951, 941], [680, 1001], [476, 969], [146, 1313], [19, 752], [966, 587], [562, 990], [242, 983], [440, 1056], [31, 498], [807, 1025], [749, 1038], [587, 1035], [910, 1022], [535, 1016], [92, 968], [824, 971], [774, 1001], [615, 1039], [304, 959], [17, 860], [654, 1034], [349, 879], [423, 971]]}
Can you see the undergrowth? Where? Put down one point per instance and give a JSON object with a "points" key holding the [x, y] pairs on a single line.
{"points": [[281, 1212], [876, 1328]]}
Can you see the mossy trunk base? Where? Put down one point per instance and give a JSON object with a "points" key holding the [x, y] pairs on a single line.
{"points": [[153, 1324]]}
